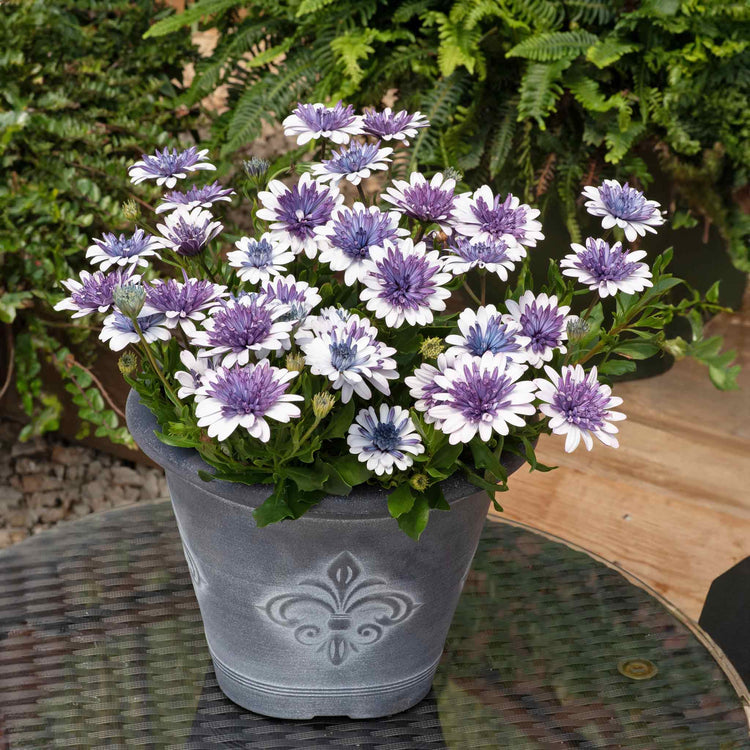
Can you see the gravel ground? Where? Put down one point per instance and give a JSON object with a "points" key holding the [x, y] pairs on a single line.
{"points": [[48, 480]]}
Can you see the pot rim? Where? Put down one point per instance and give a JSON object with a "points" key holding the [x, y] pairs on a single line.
{"points": [[364, 503]]}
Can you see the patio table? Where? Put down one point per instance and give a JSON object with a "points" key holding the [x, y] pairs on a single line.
{"points": [[101, 646]]}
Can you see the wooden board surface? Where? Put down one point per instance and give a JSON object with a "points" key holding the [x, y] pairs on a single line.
{"points": [[672, 504]]}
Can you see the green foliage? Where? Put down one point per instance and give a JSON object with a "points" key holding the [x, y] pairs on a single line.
{"points": [[595, 83], [82, 96]]}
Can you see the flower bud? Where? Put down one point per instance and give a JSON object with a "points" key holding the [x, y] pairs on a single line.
{"points": [[419, 482], [294, 362], [129, 299], [255, 168], [322, 403], [453, 174], [130, 210], [431, 348], [128, 363], [577, 328]]}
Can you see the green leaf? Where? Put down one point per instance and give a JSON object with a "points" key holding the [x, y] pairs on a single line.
{"points": [[414, 522], [554, 45], [308, 479], [540, 90], [484, 458], [608, 50], [352, 470], [616, 367], [447, 456], [637, 349], [275, 508], [401, 500], [340, 420], [11, 303], [335, 484], [191, 15], [530, 454]]}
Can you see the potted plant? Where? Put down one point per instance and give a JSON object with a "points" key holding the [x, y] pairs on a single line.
{"points": [[321, 392]]}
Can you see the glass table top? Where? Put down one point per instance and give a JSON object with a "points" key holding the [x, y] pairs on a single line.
{"points": [[101, 646]]}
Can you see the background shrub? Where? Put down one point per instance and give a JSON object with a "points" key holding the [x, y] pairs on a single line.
{"points": [[535, 96], [81, 96]]}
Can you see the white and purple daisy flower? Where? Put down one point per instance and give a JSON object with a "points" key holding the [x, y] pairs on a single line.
{"points": [[182, 303], [383, 440], [355, 163], [422, 387], [623, 206], [191, 379], [124, 250], [166, 167], [298, 296], [579, 407], [396, 126], [352, 234], [241, 325], [404, 283], [607, 269], [494, 256], [486, 330], [325, 321], [295, 213], [312, 121], [485, 217], [245, 397], [93, 293], [350, 356], [543, 322], [120, 331], [195, 197], [481, 395], [427, 202], [187, 231], [259, 260]]}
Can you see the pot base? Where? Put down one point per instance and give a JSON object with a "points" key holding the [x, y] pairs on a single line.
{"points": [[299, 703]]}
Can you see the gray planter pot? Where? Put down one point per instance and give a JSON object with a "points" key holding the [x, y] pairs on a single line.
{"points": [[337, 613]]}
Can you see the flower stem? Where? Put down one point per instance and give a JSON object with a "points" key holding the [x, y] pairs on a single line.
{"points": [[149, 354], [361, 192], [471, 293], [483, 286]]}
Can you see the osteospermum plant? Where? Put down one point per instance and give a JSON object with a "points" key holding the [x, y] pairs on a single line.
{"points": [[373, 327]]}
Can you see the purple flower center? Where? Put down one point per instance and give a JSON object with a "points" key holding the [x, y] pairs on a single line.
{"points": [[427, 203], [189, 238], [146, 323], [606, 263], [479, 396], [382, 123], [494, 338], [500, 218], [240, 326], [243, 392], [258, 254], [582, 404], [480, 252], [625, 202], [343, 354], [385, 437], [166, 163], [325, 119], [124, 246], [542, 325], [352, 159], [356, 232], [406, 280], [305, 207], [184, 298], [205, 194], [97, 289]]}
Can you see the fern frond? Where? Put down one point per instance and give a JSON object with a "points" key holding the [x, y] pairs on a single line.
{"points": [[555, 45], [619, 141], [591, 11], [540, 90], [191, 15], [538, 14], [306, 7], [608, 50], [502, 141]]}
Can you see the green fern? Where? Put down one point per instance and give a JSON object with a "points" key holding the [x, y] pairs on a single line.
{"points": [[203, 8], [608, 50], [502, 141], [556, 45], [540, 90]]}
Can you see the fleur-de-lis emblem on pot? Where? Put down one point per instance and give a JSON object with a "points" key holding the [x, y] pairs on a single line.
{"points": [[341, 611]]}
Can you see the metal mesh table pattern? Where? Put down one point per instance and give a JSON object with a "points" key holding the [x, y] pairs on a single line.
{"points": [[101, 646]]}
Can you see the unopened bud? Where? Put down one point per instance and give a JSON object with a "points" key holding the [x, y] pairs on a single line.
{"points": [[130, 210], [322, 404], [128, 363], [453, 174], [420, 482], [255, 167], [431, 347], [294, 362], [676, 347], [577, 328], [129, 299]]}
